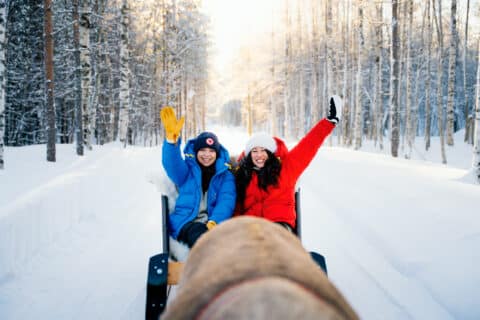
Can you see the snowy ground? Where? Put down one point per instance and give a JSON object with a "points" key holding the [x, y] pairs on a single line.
{"points": [[401, 237]]}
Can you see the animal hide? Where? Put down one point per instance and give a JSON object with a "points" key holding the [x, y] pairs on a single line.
{"points": [[250, 268]]}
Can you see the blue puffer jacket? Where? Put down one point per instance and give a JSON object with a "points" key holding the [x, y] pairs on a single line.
{"points": [[187, 177]]}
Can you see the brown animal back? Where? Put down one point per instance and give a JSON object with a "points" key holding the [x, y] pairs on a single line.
{"points": [[241, 251]]}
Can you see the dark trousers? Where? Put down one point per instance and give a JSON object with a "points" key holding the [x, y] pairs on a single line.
{"points": [[191, 232]]}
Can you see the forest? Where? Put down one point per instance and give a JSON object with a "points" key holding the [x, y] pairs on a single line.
{"points": [[88, 72]]}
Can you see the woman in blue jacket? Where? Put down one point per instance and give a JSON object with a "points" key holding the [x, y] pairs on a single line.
{"points": [[206, 187]]}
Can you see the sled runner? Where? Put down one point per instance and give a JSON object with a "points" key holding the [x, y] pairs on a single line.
{"points": [[163, 273]]}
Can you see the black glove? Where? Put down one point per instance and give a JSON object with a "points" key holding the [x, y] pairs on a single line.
{"points": [[332, 112]]}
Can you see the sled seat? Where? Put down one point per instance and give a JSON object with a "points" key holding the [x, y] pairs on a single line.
{"points": [[318, 258], [166, 211]]}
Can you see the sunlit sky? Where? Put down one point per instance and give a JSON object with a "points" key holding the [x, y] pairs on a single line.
{"points": [[238, 23], [235, 22]]}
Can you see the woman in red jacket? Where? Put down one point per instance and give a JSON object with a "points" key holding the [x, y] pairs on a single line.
{"points": [[267, 172]]}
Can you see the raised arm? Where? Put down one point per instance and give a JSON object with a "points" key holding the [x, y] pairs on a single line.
{"points": [[172, 160], [302, 154]]}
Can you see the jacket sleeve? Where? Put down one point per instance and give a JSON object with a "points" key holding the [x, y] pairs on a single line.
{"points": [[226, 198], [302, 154], [173, 163]]}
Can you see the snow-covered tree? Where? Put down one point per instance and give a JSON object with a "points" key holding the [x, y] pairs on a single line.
{"points": [[395, 99], [358, 125], [79, 123], [287, 71], [466, 110], [409, 117], [124, 112], [378, 107], [440, 60], [347, 88], [25, 74], [88, 115], [452, 62], [428, 82], [161, 58]]}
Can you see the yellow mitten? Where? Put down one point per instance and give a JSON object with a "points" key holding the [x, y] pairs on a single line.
{"points": [[211, 224], [171, 124]]}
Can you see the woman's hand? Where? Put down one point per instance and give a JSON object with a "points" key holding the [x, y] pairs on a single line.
{"points": [[211, 224], [171, 124], [335, 109]]}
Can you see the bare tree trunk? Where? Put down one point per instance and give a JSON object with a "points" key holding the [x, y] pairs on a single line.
{"points": [[295, 86], [307, 99], [420, 58], [358, 130], [394, 104], [85, 65], [345, 123], [106, 126], [78, 80], [402, 18], [273, 104], [476, 146], [249, 120], [308, 78], [326, 54], [409, 80], [3, 75], [124, 76], [249, 114], [428, 107], [352, 96], [300, 121], [154, 99], [287, 72], [316, 103], [335, 24], [378, 95], [466, 111], [94, 75], [49, 97], [203, 109], [441, 130], [451, 74]]}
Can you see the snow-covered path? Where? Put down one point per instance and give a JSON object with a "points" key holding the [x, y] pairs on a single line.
{"points": [[367, 230], [401, 237], [93, 266]]}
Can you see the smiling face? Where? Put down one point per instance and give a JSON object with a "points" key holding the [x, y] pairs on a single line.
{"points": [[206, 156], [259, 156]]}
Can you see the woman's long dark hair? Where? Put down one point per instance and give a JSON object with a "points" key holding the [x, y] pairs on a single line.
{"points": [[267, 176]]}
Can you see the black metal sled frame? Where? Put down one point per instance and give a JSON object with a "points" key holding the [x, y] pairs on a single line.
{"points": [[157, 278]]}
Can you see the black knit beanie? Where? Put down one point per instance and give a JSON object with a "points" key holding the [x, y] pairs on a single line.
{"points": [[206, 140]]}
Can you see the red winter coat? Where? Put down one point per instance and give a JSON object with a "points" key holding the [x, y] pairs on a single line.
{"points": [[278, 202]]}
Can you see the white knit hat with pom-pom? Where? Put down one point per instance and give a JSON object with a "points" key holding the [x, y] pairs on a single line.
{"points": [[262, 140]]}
